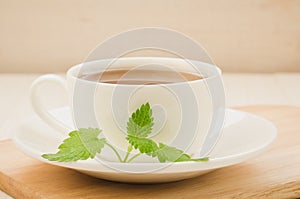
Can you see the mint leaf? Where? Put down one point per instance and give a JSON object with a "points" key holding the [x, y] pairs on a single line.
{"points": [[143, 115], [81, 145], [144, 145], [84, 143], [170, 154], [205, 159], [141, 121], [139, 126], [184, 157]]}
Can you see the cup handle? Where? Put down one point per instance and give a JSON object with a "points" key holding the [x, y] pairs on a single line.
{"points": [[38, 105]]}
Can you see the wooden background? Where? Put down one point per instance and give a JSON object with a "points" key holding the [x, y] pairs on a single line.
{"points": [[241, 36]]}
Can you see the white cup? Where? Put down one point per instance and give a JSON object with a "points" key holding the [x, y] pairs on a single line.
{"points": [[187, 114]]}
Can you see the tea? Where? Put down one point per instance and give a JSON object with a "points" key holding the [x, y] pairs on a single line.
{"points": [[140, 77]]}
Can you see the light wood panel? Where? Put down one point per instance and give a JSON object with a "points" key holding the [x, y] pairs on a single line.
{"points": [[241, 36], [273, 174]]}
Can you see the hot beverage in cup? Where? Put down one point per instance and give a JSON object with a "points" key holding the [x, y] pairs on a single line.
{"points": [[187, 102]]}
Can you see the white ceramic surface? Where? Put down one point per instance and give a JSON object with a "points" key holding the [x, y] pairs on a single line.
{"points": [[244, 136]]}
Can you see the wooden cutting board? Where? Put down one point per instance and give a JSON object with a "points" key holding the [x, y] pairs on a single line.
{"points": [[273, 174]]}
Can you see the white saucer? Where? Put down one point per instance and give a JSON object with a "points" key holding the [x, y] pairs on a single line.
{"points": [[244, 136]]}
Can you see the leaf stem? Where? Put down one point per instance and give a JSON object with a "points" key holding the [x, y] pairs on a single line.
{"points": [[129, 149], [116, 152], [133, 157], [126, 157]]}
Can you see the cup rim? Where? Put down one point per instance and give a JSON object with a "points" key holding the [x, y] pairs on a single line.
{"points": [[213, 68]]}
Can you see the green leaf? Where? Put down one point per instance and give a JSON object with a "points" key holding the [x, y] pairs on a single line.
{"points": [[144, 145], [184, 157], [139, 126], [205, 159], [143, 115], [141, 121], [170, 154], [80, 145], [84, 143]]}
